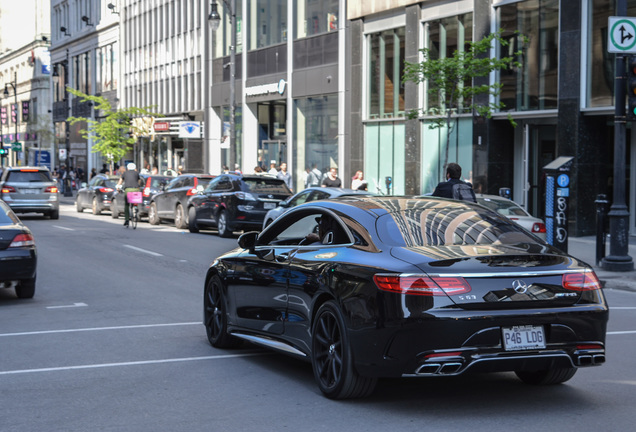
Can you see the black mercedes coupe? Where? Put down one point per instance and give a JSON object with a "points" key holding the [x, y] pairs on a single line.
{"points": [[372, 287]]}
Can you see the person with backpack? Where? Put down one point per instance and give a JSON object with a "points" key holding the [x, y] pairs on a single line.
{"points": [[454, 187]]}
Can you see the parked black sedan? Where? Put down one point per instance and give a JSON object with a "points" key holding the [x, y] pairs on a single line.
{"points": [[18, 254], [150, 186], [97, 194], [233, 202], [171, 202], [407, 287]]}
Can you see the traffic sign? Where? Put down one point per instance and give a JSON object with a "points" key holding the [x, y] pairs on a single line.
{"points": [[16, 146], [622, 35]]}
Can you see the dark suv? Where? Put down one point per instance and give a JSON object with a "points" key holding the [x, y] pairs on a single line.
{"points": [[233, 202], [30, 190], [170, 203]]}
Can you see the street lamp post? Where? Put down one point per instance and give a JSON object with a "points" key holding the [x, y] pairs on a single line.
{"points": [[215, 20], [68, 191], [14, 85]]}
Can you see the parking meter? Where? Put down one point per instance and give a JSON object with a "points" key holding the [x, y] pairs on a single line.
{"points": [[388, 181], [505, 192], [557, 198]]}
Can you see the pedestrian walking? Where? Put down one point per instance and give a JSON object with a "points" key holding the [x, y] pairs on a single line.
{"points": [[332, 179]]}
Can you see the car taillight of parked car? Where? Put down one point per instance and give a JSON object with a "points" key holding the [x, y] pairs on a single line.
{"points": [[146, 192], [584, 281], [22, 240], [8, 189], [538, 227], [192, 191], [423, 285], [245, 196], [106, 189], [51, 189]]}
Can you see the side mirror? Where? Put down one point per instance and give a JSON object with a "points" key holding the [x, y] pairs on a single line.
{"points": [[248, 240]]}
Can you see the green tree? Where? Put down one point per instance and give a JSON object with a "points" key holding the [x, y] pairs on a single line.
{"points": [[451, 84], [113, 133]]}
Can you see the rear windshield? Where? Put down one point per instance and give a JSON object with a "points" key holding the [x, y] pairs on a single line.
{"points": [[506, 208], [155, 182], [203, 181], [444, 224], [265, 185], [28, 176], [6, 215]]}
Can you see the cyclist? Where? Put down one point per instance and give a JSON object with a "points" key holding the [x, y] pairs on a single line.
{"points": [[131, 183]]}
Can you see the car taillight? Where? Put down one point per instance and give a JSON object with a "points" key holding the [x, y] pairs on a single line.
{"points": [[22, 240], [192, 191], [8, 189], [245, 196], [105, 189], [538, 227], [146, 192], [413, 284], [51, 189], [584, 281]]}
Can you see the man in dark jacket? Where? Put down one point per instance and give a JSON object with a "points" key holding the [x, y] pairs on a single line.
{"points": [[445, 189]]}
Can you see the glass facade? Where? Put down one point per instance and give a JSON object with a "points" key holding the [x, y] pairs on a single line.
{"points": [[82, 73], [315, 134], [600, 65], [107, 67], [267, 23], [315, 17], [386, 66], [445, 36], [535, 85], [223, 35]]}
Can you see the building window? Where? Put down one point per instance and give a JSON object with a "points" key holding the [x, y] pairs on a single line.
{"points": [[267, 23], [223, 35], [445, 36], [535, 85], [385, 69], [600, 65], [315, 17]]}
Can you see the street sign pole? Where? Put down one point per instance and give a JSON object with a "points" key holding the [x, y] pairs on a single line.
{"points": [[618, 259]]}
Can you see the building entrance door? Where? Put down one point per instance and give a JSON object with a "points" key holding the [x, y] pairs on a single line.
{"points": [[272, 126], [539, 149]]}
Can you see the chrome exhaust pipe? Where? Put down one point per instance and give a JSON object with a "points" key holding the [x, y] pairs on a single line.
{"points": [[429, 369], [598, 359], [450, 368]]}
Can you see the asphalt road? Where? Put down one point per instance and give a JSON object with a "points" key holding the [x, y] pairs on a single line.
{"points": [[113, 341]]}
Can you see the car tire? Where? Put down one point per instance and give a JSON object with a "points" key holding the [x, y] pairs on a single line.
{"points": [[546, 377], [192, 220], [114, 211], [55, 214], [331, 357], [180, 220], [153, 216], [25, 289], [221, 225], [95, 207], [78, 206], [215, 315]]}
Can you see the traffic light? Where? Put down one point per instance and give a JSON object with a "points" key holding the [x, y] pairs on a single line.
{"points": [[631, 88], [3, 151]]}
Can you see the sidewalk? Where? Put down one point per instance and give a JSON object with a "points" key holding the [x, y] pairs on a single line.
{"points": [[583, 248]]}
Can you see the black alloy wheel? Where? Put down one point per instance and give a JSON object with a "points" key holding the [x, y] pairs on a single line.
{"points": [[331, 357], [153, 216], [180, 217], [221, 225], [54, 214], [192, 220], [546, 377], [215, 315]]}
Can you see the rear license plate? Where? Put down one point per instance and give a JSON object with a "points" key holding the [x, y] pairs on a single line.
{"points": [[269, 205], [30, 191], [519, 338]]}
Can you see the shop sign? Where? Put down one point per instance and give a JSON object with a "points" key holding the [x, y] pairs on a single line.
{"points": [[162, 126], [266, 89], [189, 129]]}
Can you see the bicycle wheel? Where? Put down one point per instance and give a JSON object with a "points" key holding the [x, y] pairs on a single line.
{"points": [[134, 216]]}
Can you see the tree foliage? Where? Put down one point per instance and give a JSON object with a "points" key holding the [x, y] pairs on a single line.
{"points": [[113, 133], [450, 80]]}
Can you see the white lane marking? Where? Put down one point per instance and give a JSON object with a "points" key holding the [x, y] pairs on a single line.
{"points": [[68, 306], [136, 363], [143, 250], [64, 228], [622, 332], [100, 329]]}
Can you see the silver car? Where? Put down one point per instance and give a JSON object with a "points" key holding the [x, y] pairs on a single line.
{"points": [[514, 212], [30, 190]]}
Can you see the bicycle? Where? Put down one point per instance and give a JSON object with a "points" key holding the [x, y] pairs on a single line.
{"points": [[134, 199]]}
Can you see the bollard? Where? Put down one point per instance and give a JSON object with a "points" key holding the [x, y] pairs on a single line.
{"points": [[601, 214]]}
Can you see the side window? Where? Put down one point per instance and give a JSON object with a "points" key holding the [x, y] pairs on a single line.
{"points": [[189, 182], [174, 183], [318, 195], [225, 184], [300, 198]]}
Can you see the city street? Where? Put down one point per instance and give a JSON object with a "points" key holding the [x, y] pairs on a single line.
{"points": [[113, 341]]}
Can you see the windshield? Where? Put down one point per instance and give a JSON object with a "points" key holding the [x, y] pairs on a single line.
{"points": [[434, 223]]}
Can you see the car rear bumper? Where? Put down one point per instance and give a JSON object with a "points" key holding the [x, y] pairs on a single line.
{"points": [[17, 264], [34, 207]]}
